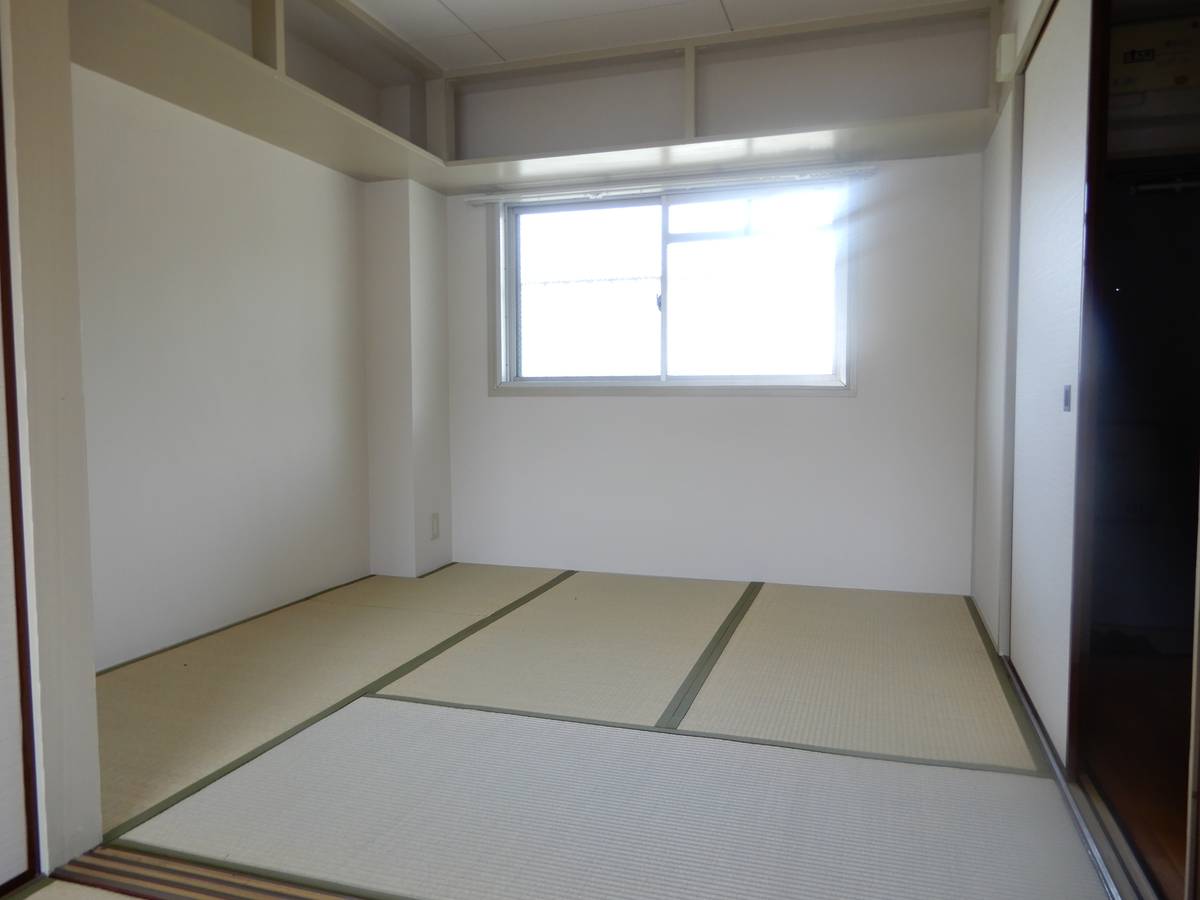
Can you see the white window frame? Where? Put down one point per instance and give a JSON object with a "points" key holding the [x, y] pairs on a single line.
{"points": [[504, 297]]}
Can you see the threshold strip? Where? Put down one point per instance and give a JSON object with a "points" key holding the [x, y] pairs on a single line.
{"points": [[678, 708], [297, 887], [373, 687], [715, 736], [156, 876]]}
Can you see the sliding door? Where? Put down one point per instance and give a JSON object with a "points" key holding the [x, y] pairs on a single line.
{"points": [[1049, 295], [18, 836]]}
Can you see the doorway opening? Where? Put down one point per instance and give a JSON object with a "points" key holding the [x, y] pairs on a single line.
{"points": [[1143, 437]]}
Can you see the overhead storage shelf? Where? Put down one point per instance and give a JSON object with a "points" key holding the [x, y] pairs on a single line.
{"points": [[141, 45]]}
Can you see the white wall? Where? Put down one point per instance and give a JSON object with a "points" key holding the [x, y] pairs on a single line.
{"points": [[402, 110], [430, 376], [228, 20], [823, 80], [323, 73], [602, 106], [408, 381], [992, 556], [224, 375], [1025, 18], [869, 491], [386, 261]]}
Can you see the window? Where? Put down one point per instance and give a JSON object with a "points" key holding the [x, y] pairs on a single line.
{"points": [[731, 288]]}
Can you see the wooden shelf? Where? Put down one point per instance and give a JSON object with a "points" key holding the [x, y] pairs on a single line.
{"points": [[135, 42]]}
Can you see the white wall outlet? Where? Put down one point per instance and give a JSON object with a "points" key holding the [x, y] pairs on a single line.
{"points": [[436, 527]]}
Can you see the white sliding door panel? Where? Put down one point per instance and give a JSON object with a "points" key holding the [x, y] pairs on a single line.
{"points": [[13, 852], [1050, 286]]}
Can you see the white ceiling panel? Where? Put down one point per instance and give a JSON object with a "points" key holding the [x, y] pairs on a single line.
{"points": [[489, 15], [619, 29], [458, 51], [415, 20], [757, 13]]}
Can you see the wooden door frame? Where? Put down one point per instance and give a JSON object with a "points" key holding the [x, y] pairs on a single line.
{"points": [[16, 511]]}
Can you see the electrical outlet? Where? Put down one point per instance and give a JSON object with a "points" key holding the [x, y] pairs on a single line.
{"points": [[436, 527]]}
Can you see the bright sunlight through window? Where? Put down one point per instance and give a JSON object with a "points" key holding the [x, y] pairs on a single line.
{"points": [[730, 288]]}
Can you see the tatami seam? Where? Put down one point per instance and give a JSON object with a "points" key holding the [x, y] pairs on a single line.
{"points": [[678, 708], [714, 735]]}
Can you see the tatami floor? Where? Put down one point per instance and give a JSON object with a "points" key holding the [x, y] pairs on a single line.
{"points": [[514, 733]]}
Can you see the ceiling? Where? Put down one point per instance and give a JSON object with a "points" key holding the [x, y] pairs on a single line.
{"points": [[460, 33]]}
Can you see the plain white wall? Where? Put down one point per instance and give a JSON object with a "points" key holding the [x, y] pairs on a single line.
{"points": [[430, 376], [324, 74], [408, 379], [870, 491], [386, 261], [992, 556], [224, 378], [823, 80], [1022, 17], [601, 106]]}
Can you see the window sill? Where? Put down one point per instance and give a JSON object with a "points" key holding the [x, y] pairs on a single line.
{"points": [[600, 387]]}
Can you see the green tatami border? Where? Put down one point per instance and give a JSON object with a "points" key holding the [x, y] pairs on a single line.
{"points": [[438, 569], [381, 682], [713, 735], [678, 708]]}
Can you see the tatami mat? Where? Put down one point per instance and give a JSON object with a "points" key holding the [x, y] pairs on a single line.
{"points": [[168, 720], [67, 890], [413, 800], [464, 589], [904, 675], [610, 647]]}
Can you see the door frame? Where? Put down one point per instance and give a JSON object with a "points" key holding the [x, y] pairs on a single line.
{"points": [[16, 511]]}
